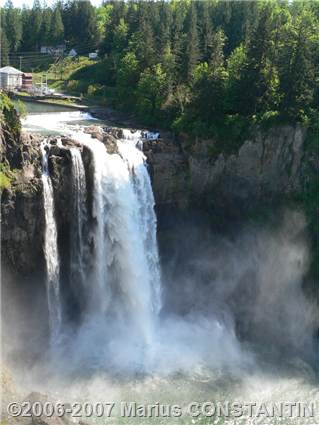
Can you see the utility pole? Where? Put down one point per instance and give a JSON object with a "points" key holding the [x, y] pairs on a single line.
{"points": [[20, 57]]}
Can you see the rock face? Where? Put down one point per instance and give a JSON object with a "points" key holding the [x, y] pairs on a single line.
{"points": [[184, 176], [21, 212], [267, 165], [22, 203], [9, 130], [169, 170]]}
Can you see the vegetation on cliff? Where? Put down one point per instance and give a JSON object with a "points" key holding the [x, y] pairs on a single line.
{"points": [[9, 119], [10, 127]]}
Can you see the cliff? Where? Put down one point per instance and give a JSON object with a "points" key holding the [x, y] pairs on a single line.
{"points": [[269, 165], [186, 175], [21, 193]]}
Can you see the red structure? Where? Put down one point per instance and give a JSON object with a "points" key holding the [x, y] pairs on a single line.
{"points": [[27, 82]]}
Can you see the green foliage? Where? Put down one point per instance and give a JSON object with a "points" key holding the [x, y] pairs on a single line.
{"points": [[21, 109], [12, 26], [210, 68], [5, 182], [95, 90], [204, 68], [127, 79], [7, 176], [151, 92], [4, 45], [8, 116], [56, 27]]}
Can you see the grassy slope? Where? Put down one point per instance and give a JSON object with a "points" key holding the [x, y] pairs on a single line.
{"points": [[79, 77]]}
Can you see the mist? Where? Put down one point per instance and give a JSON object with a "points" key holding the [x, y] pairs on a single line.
{"points": [[230, 304]]}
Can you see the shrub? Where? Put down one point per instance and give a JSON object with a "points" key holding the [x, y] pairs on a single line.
{"points": [[6, 176]]}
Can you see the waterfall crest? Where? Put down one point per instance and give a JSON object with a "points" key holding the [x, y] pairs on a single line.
{"points": [[51, 250]]}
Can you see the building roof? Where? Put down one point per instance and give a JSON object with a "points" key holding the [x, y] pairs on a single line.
{"points": [[10, 70]]}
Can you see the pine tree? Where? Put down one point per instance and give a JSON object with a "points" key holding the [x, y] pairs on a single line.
{"points": [[70, 22], [179, 12], [164, 28], [297, 68], [256, 77], [216, 58], [57, 27], [4, 45], [87, 30], [127, 79], [12, 25], [151, 93], [207, 41], [27, 42], [143, 42], [36, 22], [45, 31], [193, 55]]}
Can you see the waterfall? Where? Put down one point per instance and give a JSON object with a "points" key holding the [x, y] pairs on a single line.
{"points": [[77, 248], [136, 163], [51, 250], [124, 234]]}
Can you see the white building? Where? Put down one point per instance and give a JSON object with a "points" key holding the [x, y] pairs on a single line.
{"points": [[72, 53], [93, 55], [10, 78], [53, 50], [45, 49]]}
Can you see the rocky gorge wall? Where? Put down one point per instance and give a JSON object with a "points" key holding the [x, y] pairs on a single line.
{"points": [[22, 219], [185, 175], [268, 165]]}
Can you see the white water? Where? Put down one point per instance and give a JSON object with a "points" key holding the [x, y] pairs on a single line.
{"points": [[140, 178], [54, 121], [51, 250], [79, 216], [125, 235]]}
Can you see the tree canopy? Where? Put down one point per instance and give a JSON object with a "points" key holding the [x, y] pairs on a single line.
{"points": [[189, 65]]}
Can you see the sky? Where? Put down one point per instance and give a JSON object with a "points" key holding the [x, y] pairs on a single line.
{"points": [[19, 3]]}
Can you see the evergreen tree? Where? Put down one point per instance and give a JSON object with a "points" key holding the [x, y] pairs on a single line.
{"points": [[27, 42], [143, 42], [209, 85], [45, 32], [12, 25], [164, 28], [4, 45], [207, 41], [151, 94], [298, 70], [57, 27], [193, 54], [35, 24], [87, 30], [127, 79], [255, 80], [178, 39], [70, 22]]}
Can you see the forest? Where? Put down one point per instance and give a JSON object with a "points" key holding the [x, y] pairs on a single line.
{"points": [[201, 67]]}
